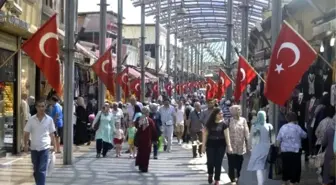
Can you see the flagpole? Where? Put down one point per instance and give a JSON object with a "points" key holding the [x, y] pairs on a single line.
{"points": [[9, 58], [275, 28]]}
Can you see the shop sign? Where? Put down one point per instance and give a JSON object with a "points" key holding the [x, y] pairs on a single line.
{"points": [[325, 27], [13, 20]]}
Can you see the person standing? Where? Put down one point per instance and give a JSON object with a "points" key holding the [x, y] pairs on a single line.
{"points": [[25, 114], [145, 135], [104, 133], [195, 127], [187, 111], [81, 130], [215, 139], [40, 128], [155, 116], [239, 136], [167, 114], [180, 116], [57, 115], [260, 139]]}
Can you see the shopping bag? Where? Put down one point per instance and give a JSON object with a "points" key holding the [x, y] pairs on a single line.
{"points": [[275, 169], [160, 144], [51, 163]]}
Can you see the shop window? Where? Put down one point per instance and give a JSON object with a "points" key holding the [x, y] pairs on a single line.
{"points": [[49, 3], [28, 71]]}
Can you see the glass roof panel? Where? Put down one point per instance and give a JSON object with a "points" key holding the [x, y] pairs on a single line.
{"points": [[205, 19]]}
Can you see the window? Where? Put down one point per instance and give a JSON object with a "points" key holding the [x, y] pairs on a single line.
{"points": [[62, 12], [49, 3]]}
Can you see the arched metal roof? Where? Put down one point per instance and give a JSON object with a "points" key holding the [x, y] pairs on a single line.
{"points": [[204, 21]]}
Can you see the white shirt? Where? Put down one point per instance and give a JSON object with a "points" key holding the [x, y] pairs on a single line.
{"points": [[39, 132], [180, 115], [118, 115], [130, 109]]}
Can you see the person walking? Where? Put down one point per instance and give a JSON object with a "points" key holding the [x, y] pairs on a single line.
{"points": [[260, 142], [195, 127], [81, 130], [239, 136], [40, 128], [167, 114], [180, 116], [144, 137], [155, 116], [104, 125], [215, 140], [289, 139], [57, 115]]}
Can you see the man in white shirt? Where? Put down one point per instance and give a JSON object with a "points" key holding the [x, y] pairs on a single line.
{"points": [[40, 128], [118, 114], [130, 107], [167, 114]]}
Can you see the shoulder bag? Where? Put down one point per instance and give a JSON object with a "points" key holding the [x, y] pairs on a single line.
{"points": [[97, 124]]}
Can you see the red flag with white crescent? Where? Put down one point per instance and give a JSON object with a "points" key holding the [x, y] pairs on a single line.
{"points": [[122, 79], [156, 90], [135, 87]]}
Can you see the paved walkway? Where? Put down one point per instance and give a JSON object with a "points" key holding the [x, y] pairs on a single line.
{"points": [[176, 168]]}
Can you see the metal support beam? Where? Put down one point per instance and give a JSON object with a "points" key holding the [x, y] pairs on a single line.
{"points": [[119, 46], [157, 37], [188, 62], [275, 28], [175, 61], [142, 51], [228, 44], [102, 40], [245, 10], [168, 39], [201, 72], [69, 65], [192, 67]]}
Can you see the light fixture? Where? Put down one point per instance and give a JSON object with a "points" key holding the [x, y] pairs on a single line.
{"points": [[322, 48], [182, 11], [332, 41], [259, 27]]}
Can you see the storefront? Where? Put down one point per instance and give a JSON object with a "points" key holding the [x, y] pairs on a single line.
{"points": [[13, 78]]}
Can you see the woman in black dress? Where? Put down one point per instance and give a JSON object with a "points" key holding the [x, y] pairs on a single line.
{"points": [[81, 132]]}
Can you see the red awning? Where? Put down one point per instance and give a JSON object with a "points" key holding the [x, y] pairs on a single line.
{"points": [[151, 77], [136, 74]]}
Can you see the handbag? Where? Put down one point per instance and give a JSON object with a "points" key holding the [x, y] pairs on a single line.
{"points": [[275, 170], [51, 163], [319, 159], [96, 125], [273, 150]]}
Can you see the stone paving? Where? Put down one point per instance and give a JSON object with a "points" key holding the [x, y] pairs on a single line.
{"points": [[176, 168]]}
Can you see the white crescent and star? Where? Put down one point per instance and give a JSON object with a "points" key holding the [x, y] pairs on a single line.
{"points": [[123, 78], [43, 40], [155, 87], [209, 85], [103, 65], [222, 80], [243, 73], [296, 51], [137, 86]]}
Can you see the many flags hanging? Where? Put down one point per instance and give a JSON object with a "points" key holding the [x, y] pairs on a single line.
{"points": [[245, 75]]}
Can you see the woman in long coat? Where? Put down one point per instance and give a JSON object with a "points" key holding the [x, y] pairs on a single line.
{"points": [[81, 132], [260, 138], [104, 134], [145, 135]]}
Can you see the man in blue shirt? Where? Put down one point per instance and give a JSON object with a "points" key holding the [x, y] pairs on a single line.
{"points": [[57, 115]]}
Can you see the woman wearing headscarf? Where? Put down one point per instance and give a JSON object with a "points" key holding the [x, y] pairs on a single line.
{"points": [[260, 142], [215, 139], [104, 133], [145, 135], [155, 116], [137, 115], [239, 136], [81, 132], [329, 157]]}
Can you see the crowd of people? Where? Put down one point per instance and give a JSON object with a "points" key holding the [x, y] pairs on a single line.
{"points": [[213, 128]]}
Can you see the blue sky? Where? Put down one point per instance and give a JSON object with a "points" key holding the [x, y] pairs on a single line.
{"points": [[131, 13]]}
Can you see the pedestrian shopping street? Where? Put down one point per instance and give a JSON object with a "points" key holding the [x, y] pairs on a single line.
{"points": [[175, 168]]}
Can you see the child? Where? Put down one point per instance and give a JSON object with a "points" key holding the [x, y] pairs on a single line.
{"points": [[131, 131], [118, 139]]}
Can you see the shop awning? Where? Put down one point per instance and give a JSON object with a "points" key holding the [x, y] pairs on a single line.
{"points": [[136, 74], [150, 76]]}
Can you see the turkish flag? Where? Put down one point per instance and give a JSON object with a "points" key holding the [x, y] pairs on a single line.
{"points": [[123, 80], [104, 70], [177, 89], [135, 87], [156, 90], [245, 75], [42, 48], [211, 88], [291, 58], [223, 82], [168, 89]]}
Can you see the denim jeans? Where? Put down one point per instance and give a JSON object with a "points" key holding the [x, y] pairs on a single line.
{"points": [[40, 163], [215, 157], [155, 148]]}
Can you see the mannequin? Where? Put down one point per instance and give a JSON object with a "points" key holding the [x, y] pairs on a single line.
{"points": [[333, 95], [311, 84]]}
